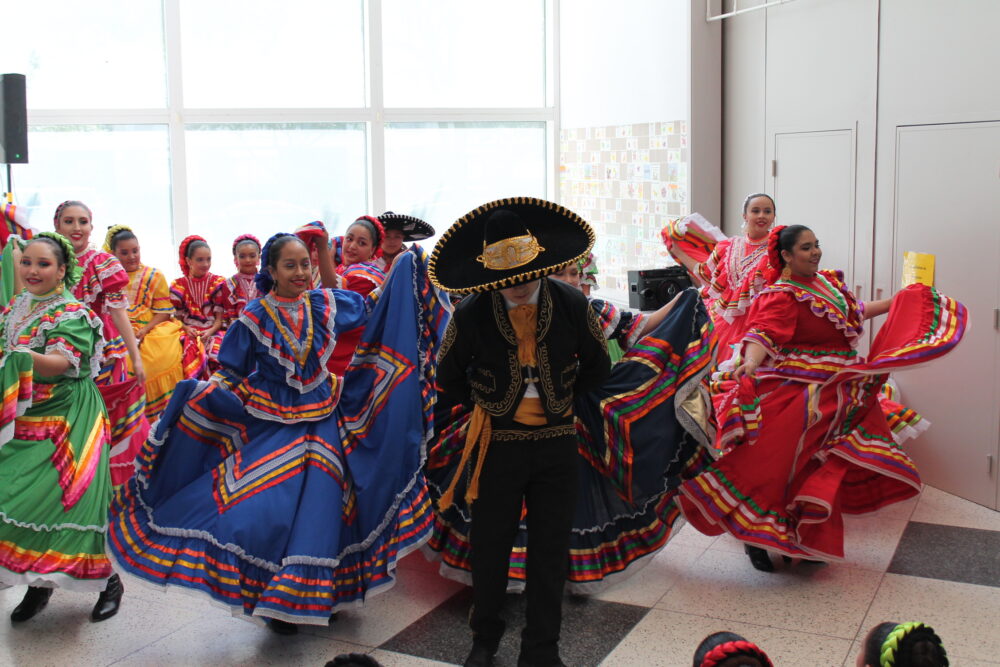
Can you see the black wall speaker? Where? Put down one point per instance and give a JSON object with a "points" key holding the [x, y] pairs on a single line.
{"points": [[13, 119], [651, 288]]}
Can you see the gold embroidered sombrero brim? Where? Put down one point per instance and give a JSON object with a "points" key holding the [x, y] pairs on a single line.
{"points": [[464, 262]]}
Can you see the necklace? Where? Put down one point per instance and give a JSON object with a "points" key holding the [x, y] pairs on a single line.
{"points": [[301, 351]]}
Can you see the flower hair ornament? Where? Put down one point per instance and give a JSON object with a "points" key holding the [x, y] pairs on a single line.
{"points": [[182, 251], [73, 269], [732, 649], [240, 240], [378, 232], [774, 262], [110, 236], [896, 637]]}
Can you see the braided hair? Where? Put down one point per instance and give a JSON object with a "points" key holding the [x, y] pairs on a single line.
{"points": [[66, 204], [269, 255], [904, 645], [731, 650], [754, 195], [187, 248], [377, 231], [62, 248], [780, 238], [243, 239], [116, 234]]}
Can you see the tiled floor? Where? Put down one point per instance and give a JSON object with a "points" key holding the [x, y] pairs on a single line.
{"points": [[936, 559]]}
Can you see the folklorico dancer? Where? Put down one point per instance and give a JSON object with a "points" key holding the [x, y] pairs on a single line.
{"points": [[198, 303], [639, 435], [168, 355], [240, 288], [399, 230], [519, 349], [354, 257], [276, 489], [732, 272], [729, 648], [890, 644], [805, 439], [102, 289], [55, 480]]}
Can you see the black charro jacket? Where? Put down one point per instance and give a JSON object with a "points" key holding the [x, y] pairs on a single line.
{"points": [[477, 362]]}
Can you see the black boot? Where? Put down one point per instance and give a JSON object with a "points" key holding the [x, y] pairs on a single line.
{"points": [[283, 627], [759, 558], [33, 602], [109, 600], [480, 656]]}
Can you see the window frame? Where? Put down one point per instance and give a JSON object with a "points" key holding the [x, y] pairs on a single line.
{"points": [[375, 115]]}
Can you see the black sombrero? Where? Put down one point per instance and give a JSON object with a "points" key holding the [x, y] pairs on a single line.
{"points": [[507, 242], [414, 229]]}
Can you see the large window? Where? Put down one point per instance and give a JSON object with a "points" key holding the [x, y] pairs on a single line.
{"points": [[217, 118]]}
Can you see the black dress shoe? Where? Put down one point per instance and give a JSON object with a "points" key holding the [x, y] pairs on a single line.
{"points": [[33, 602], [759, 558], [109, 600], [524, 662], [479, 656], [283, 627]]}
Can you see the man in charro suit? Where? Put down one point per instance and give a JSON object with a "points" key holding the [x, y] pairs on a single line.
{"points": [[518, 350]]}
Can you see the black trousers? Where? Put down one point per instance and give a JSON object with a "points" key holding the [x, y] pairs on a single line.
{"points": [[543, 473]]}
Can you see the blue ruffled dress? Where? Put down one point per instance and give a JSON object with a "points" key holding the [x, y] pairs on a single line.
{"points": [[278, 490]]}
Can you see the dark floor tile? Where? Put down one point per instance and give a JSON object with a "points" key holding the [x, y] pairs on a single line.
{"points": [[590, 630], [953, 553]]}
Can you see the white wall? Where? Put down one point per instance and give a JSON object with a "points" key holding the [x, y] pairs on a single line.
{"points": [[623, 62], [897, 74]]}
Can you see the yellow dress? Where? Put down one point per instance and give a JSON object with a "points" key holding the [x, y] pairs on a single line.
{"points": [[161, 349]]}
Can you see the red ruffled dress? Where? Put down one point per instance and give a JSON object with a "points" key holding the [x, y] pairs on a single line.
{"points": [[362, 278], [806, 440], [732, 270], [196, 301], [101, 288], [237, 291]]}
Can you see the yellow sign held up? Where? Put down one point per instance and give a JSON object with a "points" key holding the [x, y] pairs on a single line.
{"points": [[918, 267]]}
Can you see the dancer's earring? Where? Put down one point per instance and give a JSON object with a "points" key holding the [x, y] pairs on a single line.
{"points": [[786, 273]]}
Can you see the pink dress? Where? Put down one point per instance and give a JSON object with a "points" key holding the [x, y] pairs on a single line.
{"points": [[101, 288]]}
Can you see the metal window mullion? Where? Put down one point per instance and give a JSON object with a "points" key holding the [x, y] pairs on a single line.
{"points": [[376, 102], [553, 98], [330, 115], [176, 118], [97, 116]]}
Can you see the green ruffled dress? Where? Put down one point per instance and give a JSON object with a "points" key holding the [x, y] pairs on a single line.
{"points": [[55, 480]]}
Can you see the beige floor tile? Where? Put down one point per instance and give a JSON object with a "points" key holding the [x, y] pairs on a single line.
{"points": [[965, 616], [391, 659], [223, 640], [648, 585], [831, 599], [385, 614], [416, 561], [669, 639], [62, 634], [936, 506], [688, 536], [870, 541], [852, 656], [173, 596]]}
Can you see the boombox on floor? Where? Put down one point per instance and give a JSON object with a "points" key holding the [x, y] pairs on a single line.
{"points": [[649, 289]]}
